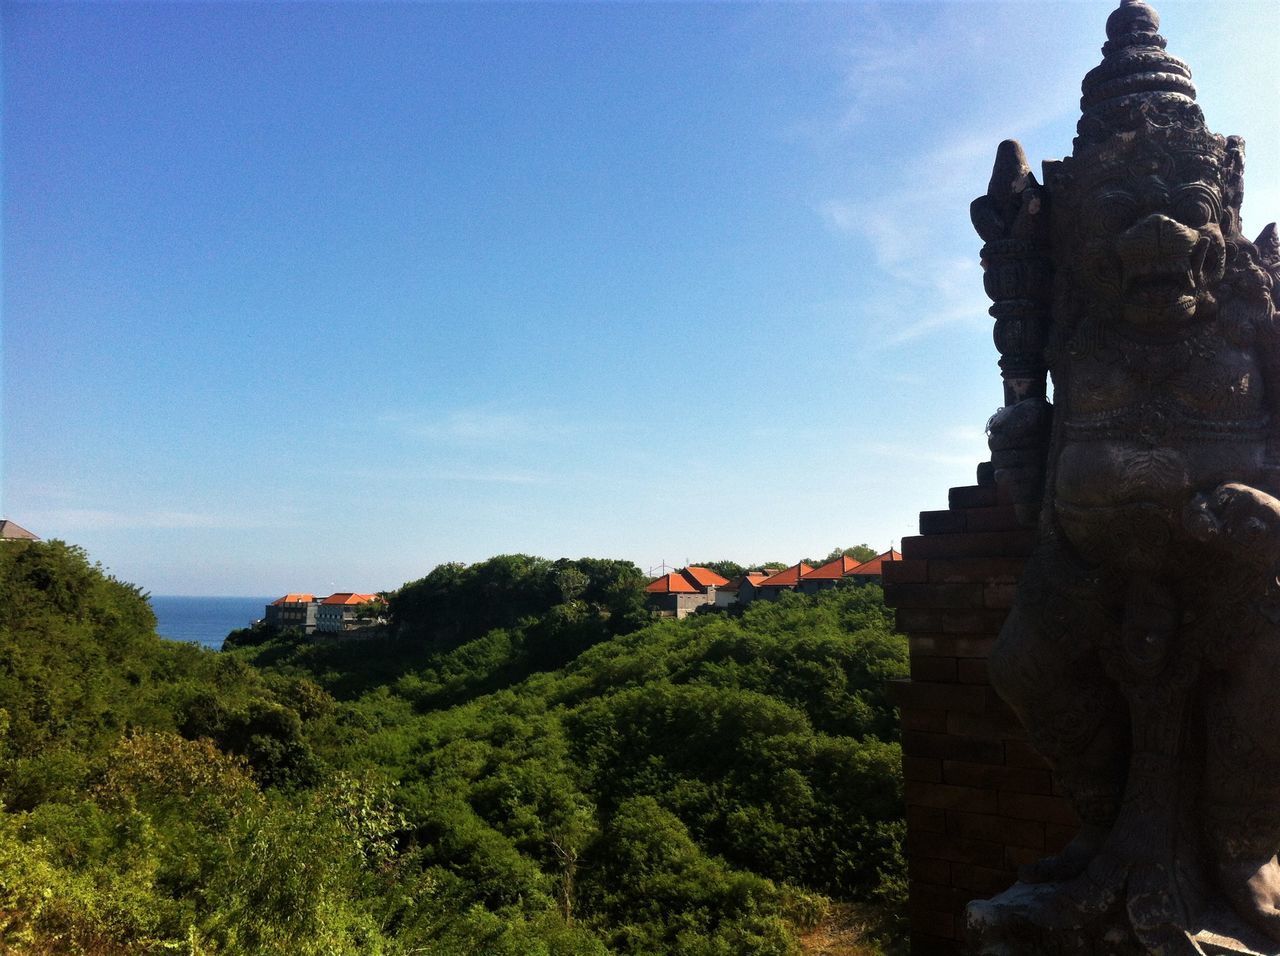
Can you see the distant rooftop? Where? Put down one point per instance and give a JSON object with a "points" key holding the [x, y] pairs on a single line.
{"points": [[349, 597], [673, 583], [295, 599], [834, 569], [12, 531], [875, 565], [788, 578]]}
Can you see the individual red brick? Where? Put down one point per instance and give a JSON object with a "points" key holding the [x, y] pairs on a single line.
{"points": [[942, 522], [918, 620], [935, 669], [1030, 806], [974, 645], [962, 698], [929, 721], [948, 797], [926, 820], [972, 670], [924, 870], [971, 544], [931, 645], [973, 621], [994, 570], [926, 769], [980, 882], [973, 496], [987, 776], [998, 725], [941, 846], [950, 645], [950, 595], [904, 572], [1020, 754], [947, 747], [985, 826], [998, 594], [997, 518]]}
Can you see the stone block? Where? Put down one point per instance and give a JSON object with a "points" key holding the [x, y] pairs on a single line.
{"points": [[935, 669], [1030, 806], [996, 829], [991, 777], [973, 496], [947, 747], [948, 797]]}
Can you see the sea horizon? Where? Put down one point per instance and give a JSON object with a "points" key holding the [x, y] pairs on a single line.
{"points": [[205, 620]]}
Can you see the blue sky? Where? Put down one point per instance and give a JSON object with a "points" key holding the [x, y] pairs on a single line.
{"points": [[316, 296]]}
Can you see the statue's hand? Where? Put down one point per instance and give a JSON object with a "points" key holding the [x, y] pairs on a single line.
{"points": [[1238, 519], [1018, 436]]}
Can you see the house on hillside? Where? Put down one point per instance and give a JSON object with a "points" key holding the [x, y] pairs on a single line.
{"points": [[870, 572], [829, 574], [337, 612], [12, 531], [682, 592], [785, 580], [293, 610], [742, 589]]}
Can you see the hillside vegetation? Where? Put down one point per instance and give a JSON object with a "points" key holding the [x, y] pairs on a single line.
{"points": [[523, 764]]}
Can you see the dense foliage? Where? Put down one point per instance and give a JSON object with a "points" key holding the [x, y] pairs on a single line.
{"points": [[521, 763]]}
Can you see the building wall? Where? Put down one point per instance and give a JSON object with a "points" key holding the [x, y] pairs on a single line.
{"points": [[302, 616], [330, 617], [679, 605], [980, 801]]}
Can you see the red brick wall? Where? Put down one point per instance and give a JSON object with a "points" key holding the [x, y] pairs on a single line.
{"points": [[980, 801]]}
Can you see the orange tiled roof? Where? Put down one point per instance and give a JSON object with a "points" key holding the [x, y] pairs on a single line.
{"points": [[673, 583], [348, 597], [294, 599], [834, 569], [873, 567], [705, 577], [788, 578]]}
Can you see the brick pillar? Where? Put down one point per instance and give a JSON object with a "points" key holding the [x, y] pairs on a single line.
{"points": [[980, 800]]}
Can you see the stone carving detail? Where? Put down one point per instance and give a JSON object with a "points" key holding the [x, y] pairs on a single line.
{"points": [[1143, 653]]}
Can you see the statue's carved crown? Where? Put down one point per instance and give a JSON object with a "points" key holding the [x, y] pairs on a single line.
{"points": [[1138, 109], [1138, 83]]}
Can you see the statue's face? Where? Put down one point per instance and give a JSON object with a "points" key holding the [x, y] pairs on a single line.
{"points": [[1150, 223]]}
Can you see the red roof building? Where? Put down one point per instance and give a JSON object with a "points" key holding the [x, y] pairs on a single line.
{"points": [[872, 568], [705, 577], [293, 599], [337, 612], [349, 598], [788, 578], [673, 583], [834, 570], [682, 592]]}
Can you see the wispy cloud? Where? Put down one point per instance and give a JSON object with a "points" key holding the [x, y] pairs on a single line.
{"points": [[478, 426], [915, 221]]}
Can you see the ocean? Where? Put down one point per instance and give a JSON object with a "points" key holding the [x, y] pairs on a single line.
{"points": [[205, 620]]}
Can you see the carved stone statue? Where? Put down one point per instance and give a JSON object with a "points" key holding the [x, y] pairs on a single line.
{"points": [[1143, 653]]}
